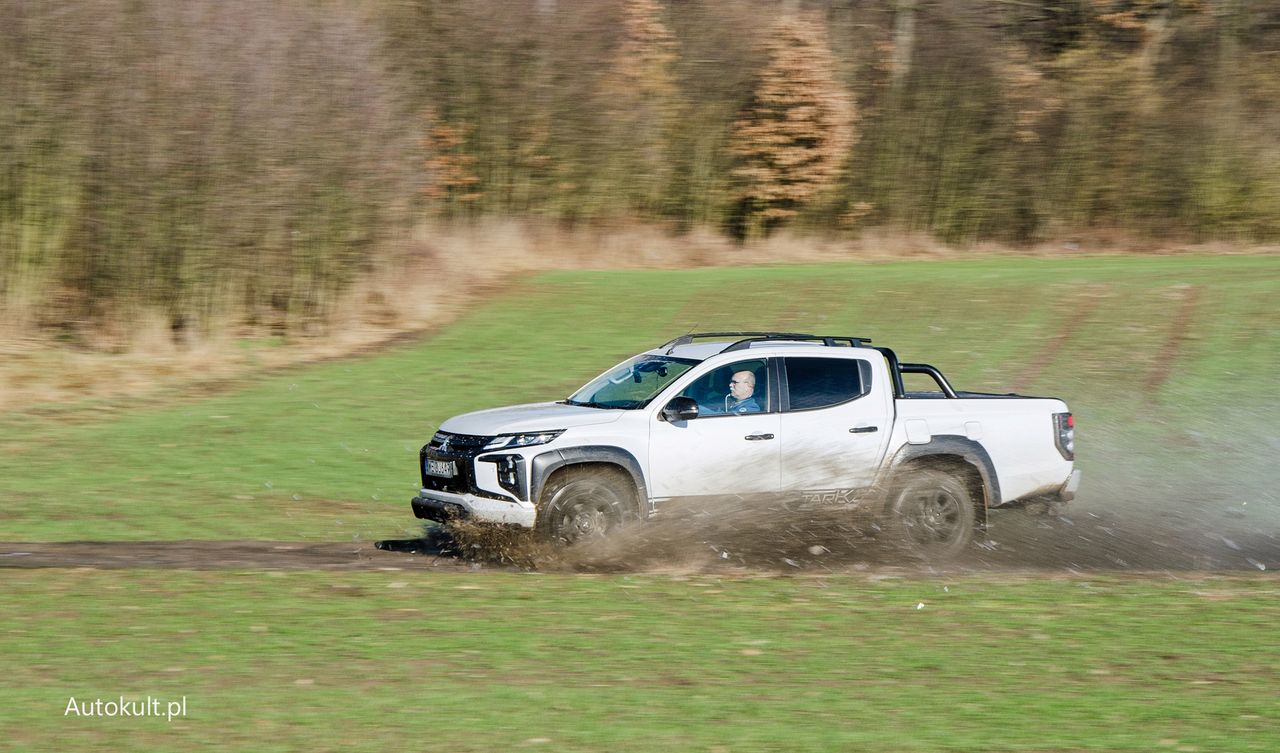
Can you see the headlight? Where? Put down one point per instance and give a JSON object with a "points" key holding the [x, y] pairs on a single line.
{"points": [[522, 440]]}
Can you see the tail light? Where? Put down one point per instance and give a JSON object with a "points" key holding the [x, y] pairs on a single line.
{"points": [[1064, 434]]}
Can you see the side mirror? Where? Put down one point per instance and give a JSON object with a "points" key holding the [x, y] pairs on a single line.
{"points": [[680, 409]]}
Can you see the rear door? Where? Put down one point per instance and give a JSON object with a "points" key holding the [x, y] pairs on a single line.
{"points": [[721, 452], [835, 424]]}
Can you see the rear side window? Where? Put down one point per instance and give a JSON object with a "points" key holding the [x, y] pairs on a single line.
{"points": [[822, 382]]}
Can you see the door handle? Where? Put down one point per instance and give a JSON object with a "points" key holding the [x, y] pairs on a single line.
{"points": [[864, 429], [756, 437]]}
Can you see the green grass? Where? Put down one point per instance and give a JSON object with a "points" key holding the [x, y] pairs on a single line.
{"points": [[486, 662], [377, 661], [328, 452]]}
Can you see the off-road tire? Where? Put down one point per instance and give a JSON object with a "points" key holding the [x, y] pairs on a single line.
{"points": [[931, 515], [580, 504]]}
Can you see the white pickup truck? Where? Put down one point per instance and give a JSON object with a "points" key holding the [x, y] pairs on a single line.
{"points": [[755, 415]]}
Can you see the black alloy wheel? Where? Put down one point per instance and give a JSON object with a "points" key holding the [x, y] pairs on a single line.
{"points": [[932, 515], [586, 504]]}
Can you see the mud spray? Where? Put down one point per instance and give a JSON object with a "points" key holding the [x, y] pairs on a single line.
{"points": [[1156, 496]]}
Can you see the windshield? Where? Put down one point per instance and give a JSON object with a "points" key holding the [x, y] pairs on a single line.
{"points": [[632, 384]]}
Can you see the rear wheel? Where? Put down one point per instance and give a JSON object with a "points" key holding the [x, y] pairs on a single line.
{"points": [[584, 504], [931, 515]]}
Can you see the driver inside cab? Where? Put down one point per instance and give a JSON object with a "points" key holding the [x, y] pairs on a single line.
{"points": [[741, 397]]}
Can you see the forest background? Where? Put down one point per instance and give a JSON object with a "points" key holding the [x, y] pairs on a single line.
{"points": [[176, 173]]}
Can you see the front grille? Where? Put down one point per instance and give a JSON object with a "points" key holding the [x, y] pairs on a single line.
{"points": [[460, 448], [459, 443]]}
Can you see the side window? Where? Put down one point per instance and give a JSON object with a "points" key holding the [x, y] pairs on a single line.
{"points": [[738, 388], [822, 382]]}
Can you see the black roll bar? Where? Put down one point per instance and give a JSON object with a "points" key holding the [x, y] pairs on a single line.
{"points": [[924, 368]]}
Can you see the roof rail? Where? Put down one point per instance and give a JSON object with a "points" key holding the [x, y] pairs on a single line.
{"points": [[747, 338]]}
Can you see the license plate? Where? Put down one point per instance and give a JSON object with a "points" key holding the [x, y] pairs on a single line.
{"points": [[445, 468]]}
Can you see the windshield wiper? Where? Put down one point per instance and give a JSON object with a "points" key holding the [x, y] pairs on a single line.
{"points": [[627, 405], [587, 404]]}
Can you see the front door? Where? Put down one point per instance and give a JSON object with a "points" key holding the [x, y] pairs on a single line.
{"points": [[731, 449]]}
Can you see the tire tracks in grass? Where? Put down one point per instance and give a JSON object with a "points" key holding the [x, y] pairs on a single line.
{"points": [[1175, 342], [1088, 305]]}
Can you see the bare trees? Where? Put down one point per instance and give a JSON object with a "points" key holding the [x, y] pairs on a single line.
{"points": [[207, 159], [238, 161], [983, 119], [642, 100]]}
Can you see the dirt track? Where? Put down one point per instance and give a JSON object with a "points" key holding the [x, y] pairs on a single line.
{"points": [[216, 555], [1017, 542]]}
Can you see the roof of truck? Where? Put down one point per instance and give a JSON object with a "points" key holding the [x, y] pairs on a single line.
{"points": [[686, 346]]}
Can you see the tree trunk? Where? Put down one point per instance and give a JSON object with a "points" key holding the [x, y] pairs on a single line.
{"points": [[904, 39]]}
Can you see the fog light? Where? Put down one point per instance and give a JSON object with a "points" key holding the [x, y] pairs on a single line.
{"points": [[510, 472]]}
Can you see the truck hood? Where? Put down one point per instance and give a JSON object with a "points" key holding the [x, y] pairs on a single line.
{"points": [[527, 418]]}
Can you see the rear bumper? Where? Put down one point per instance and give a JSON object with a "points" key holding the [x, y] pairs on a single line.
{"points": [[443, 507], [1068, 490]]}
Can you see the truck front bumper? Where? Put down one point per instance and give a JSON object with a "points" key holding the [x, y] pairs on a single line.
{"points": [[443, 507]]}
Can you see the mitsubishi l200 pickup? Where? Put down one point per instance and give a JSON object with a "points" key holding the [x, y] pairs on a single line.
{"points": [[755, 416]]}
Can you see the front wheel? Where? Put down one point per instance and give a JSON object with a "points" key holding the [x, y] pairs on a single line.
{"points": [[931, 515], [584, 504]]}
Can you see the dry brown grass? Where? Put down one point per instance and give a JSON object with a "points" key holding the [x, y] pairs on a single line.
{"points": [[423, 282]]}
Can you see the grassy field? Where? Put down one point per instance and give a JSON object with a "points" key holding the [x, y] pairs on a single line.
{"points": [[1168, 362], [493, 662], [1158, 353]]}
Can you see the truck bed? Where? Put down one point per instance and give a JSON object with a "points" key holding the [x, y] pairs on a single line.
{"points": [[1017, 433]]}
